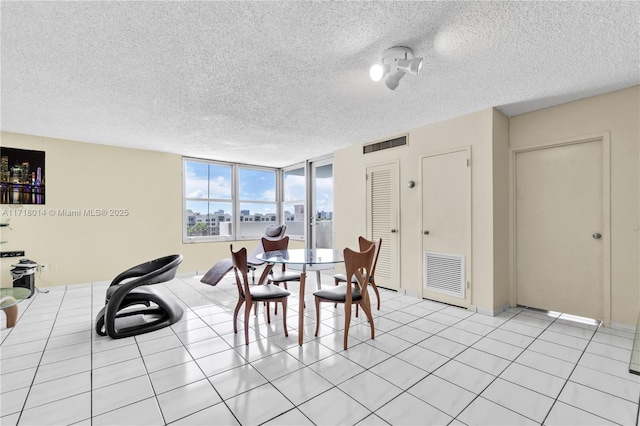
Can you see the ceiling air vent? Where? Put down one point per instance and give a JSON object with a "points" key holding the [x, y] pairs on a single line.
{"points": [[379, 146]]}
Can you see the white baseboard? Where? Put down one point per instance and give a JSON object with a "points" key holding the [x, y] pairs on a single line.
{"points": [[623, 327], [487, 311]]}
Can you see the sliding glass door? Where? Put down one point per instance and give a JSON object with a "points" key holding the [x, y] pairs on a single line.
{"points": [[321, 204], [294, 185]]}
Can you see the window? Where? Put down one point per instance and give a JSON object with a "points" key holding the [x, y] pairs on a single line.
{"points": [[225, 201], [294, 195], [208, 200], [257, 197]]}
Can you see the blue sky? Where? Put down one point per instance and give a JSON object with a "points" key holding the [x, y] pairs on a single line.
{"points": [[214, 181]]}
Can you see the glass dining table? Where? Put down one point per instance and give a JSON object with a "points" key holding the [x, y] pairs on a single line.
{"points": [[9, 299], [304, 259]]}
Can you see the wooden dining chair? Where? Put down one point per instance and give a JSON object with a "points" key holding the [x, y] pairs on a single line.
{"points": [[364, 245], [250, 295], [272, 232], [282, 276], [354, 292]]}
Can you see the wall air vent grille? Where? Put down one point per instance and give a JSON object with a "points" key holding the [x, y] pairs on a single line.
{"points": [[444, 273], [379, 146]]}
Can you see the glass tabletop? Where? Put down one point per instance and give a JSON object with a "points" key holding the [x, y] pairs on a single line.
{"points": [[303, 256], [12, 295]]}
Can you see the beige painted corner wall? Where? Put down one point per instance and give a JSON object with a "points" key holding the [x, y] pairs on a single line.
{"points": [[89, 176], [474, 130], [619, 114], [501, 228], [490, 134], [148, 184]]}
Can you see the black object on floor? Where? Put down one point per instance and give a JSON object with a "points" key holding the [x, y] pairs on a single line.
{"points": [[120, 317]]}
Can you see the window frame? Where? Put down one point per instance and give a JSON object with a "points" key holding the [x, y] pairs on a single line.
{"points": [[234, 200], [205, 238], [276, 202], [303, 201]]}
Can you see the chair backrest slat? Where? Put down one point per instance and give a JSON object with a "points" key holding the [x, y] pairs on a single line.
{"points": [[239, 260], [359, 265], [275, 245], [273, 232], [365, 244]]}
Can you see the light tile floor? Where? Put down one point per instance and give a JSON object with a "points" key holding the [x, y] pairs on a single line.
{"points": [[430, 363]]}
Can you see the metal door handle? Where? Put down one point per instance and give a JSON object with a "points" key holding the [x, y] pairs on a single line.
{"points": [[393, 231], [596, 236], [425, 232]]}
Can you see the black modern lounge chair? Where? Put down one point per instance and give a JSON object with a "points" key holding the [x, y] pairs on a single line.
{"points": [[119, 318]]}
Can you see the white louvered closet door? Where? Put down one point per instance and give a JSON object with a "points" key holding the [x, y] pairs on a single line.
{"points": [[382, 221]]}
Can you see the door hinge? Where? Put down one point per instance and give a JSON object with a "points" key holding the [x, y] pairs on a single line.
{"points": [[468, 162], [468, 285]]}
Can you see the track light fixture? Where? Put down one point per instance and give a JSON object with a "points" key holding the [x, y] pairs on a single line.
{"points": [[394, 64]]}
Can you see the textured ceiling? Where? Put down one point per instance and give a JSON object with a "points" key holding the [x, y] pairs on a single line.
{"points": [[275, 83]]}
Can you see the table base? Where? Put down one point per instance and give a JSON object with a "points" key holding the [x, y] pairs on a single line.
{"points": [[12, 315], [303, 278]]}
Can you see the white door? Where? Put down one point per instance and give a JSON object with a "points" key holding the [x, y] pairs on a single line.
{"points": [[446, 227], [560, 232], [382, 221]]}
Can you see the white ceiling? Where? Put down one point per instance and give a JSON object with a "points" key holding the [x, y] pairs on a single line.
{"points": [[275, 83]]}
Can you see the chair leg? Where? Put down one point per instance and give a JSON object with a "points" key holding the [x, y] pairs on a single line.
{"points": [[335, 305], [317, 316], [366, 307], [235, 315], [269, 313], [275, 310], [247, 312], [284, 316], [375, 289], [347, 321]]}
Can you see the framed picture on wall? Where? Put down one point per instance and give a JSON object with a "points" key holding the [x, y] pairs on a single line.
{"points": [[22, 176]]}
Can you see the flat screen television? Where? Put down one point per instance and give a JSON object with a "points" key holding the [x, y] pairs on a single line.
{"points": [[22, 176]]}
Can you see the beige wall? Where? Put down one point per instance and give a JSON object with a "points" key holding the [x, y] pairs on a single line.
{"points": [[490, 134], [501, 229], [349, 197], [148, 184], [619, 114], [88, 176], [475, 130]]}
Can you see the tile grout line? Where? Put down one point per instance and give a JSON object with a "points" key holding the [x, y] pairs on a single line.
{"points": [[498, 376], [295, 406], [24, 404], [568, 377], [93, 315], [196, 363], [467, 347], [400, 326], [429, 373], [575, 365]]}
